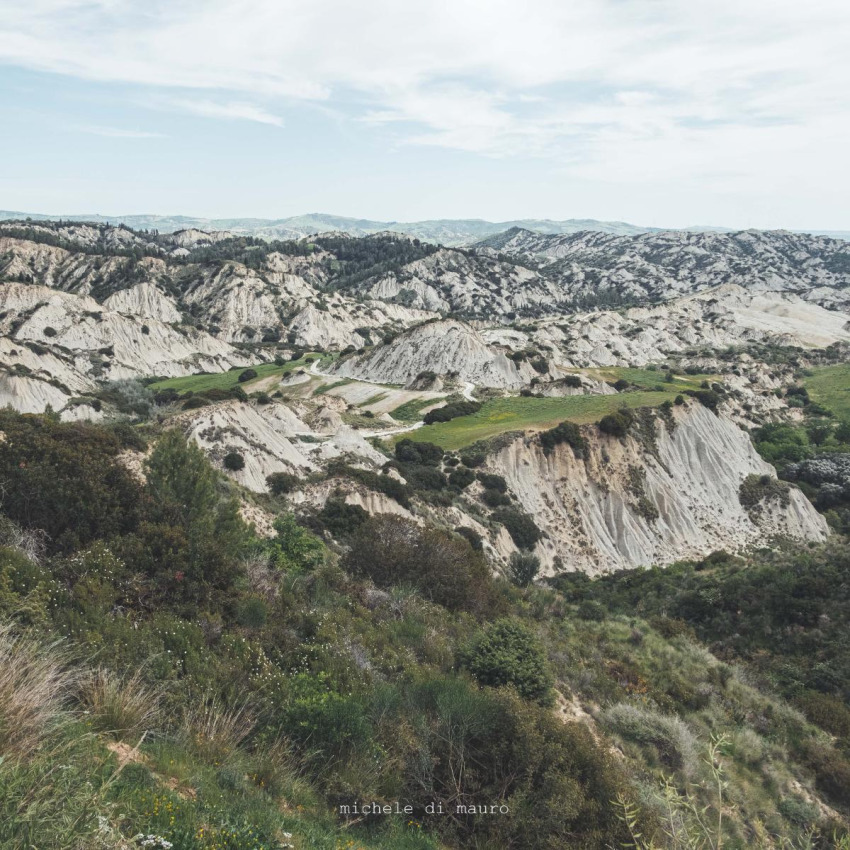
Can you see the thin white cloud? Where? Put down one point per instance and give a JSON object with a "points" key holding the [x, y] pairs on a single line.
{"points": [[229, 110], [116, 132], [609, 89]]}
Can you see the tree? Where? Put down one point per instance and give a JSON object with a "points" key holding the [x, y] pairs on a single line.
{"points": [[523, 568], [205, 524]]}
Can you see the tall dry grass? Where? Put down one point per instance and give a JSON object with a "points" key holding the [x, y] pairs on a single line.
{"points": [[122, 707], [35, 685]]}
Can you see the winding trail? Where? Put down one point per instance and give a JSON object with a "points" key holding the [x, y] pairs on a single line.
{"points": [[468, 388]]}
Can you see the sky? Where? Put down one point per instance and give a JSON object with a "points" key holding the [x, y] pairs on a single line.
{"points": [[658, 112]]}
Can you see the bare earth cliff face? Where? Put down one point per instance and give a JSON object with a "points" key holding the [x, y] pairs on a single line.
{"points": [[599, 513]]}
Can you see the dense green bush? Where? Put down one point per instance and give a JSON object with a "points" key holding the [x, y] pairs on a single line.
{"points": [[616, 424], [506, 652], [566, 432], [520, 526], [408, 451], [247, 375], [392, 550], [233, 461], [340, 518], [280, 483], [461, 477], [451, 411]]}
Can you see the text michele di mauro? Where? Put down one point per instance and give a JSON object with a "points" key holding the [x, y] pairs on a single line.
{"points": [[366, 809]]}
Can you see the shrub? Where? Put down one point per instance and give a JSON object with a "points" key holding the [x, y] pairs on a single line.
{"points": [[234, 461], [340, 518], [591, 610], [566, 432], [424, 477], [473, 459], [523, 568], [461, 477], [520, 526], [471, 536], [707, 398], [495, 498], [282, 482], [392, 550], [408, 451], [247, 375], [492, 482], [451, 411], [50, 332], [64, 479], [252, 612], [507, 652], [621, 384], [673, 742], [573, 381], [616, 424]]}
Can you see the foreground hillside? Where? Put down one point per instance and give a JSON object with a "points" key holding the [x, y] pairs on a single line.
{"points": [[217, 689]]}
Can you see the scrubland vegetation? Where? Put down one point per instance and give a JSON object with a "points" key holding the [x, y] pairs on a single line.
{"points": [[168, 677]]}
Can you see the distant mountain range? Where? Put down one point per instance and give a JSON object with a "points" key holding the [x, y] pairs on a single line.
{"points": [[451, 232]]}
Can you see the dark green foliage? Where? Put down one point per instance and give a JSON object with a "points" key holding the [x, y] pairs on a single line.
{"points": [[679, 400], [495, 498], [621, 384], [386, 484], [340, 518], [193, 536], [617, 424], [507, 652], [707, 398], [359, 259], [492, 482], [492, 747], [282, 482], [590, 610], [461, 477], [233, 461], [566, 432], [408, 451], [252, 612], [779, 443], [63, 479], [48, 331], [472, 537], [473, 459], [392, 550], [247, 375], [520, 526], [523, 568], [424, 477], [573, 381], [451, 411]]}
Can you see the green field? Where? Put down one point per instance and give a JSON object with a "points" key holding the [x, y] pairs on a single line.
{"points": [[520, 414], [830, 386], [226, 380], [648, 378]]}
